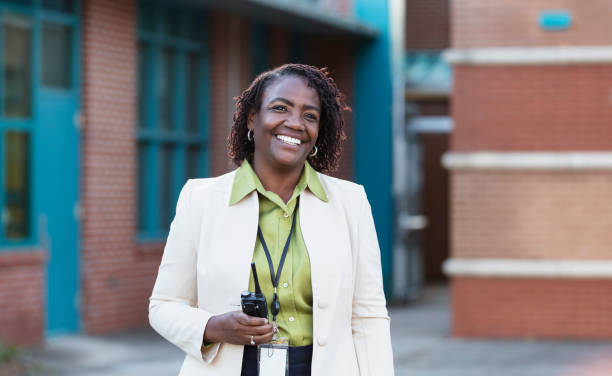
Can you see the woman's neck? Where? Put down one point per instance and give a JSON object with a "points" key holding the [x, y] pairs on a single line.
{"points": [[280, 182]]}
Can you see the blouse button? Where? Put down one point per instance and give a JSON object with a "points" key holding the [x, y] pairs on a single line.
{"points": [[285, 284], [286, 215], [291, 318]]}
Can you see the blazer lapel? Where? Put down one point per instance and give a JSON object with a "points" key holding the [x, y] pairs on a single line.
{"points": [[323, 230]]}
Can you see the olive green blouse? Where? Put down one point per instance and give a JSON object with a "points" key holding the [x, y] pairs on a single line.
{"points": [[294, 288]]}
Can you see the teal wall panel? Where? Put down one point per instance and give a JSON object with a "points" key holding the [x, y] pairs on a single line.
{"points": [[373, 126]]}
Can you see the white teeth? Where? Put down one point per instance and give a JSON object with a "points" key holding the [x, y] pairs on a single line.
{"points": [[289, 140]]}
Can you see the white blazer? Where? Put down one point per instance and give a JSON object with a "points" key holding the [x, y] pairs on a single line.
{"points": [[206, 264]]}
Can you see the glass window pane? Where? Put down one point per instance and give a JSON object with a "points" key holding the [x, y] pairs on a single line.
{"points": [[165, 90], [142, 187], [196, 25], [56, 43], [58, 5], [17, 64], [165, 188], [146, 16], [172, 22], [193, 93], [193, 162], [144, 82], [15, 216]]}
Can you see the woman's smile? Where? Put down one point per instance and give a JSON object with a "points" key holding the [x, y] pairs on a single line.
{"points": [[289, 140]]}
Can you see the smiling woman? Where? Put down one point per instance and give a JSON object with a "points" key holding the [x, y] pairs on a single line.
{"points": [[314, 234], [325, 107]]}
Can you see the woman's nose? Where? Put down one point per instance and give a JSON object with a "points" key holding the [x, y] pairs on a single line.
{"points": [[294, 121]]}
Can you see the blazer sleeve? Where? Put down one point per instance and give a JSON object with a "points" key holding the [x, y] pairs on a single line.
{"points": [[173, 311], [370, 320]]}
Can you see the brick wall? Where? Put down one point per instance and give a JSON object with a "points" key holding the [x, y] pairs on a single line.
{"points": [[532, 107], [542, 308], [230, 73], [22, 296], [219, 93], [486, 23], [434, 205], [116, 277], [427, 24], [532, 215], [338, 55], [279, 46]]}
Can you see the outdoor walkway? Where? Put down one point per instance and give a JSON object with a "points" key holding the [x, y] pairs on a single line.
{"points": [[420, 342], [422, 346]]}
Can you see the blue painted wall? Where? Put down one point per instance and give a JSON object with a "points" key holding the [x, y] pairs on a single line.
{"points": [[373, 127]]}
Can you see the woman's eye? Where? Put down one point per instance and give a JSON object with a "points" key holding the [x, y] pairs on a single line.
{"points": [[279, 108], [311, 117]]}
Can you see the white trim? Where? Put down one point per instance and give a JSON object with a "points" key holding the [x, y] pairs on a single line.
{"points": [[430, 124], [524, 268], [530, 55], [573, 161]]}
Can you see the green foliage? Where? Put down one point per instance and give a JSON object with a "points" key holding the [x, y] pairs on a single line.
{"points": [[8, 352]]}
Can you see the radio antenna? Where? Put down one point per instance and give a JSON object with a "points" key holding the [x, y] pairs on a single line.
{"points": [[257, 288]]}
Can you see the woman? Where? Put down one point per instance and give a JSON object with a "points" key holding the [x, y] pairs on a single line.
{"points": [[287, 129]]}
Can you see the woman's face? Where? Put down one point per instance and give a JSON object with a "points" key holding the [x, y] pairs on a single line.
{"points": [[287, 124]]}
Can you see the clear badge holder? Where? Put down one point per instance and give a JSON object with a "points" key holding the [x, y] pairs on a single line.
{"points": [[273, 357]]}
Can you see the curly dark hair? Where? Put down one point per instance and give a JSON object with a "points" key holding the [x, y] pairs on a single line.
{"points": [[331, 124]]}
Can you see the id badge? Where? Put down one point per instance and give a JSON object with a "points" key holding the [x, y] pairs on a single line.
{"points": [[273, 358]]}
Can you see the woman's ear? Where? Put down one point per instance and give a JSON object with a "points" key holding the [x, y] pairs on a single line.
{"points": [[250, 119]]}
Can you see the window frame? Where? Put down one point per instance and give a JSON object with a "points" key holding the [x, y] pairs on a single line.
{"points": [[151, 138], [37, 15]]}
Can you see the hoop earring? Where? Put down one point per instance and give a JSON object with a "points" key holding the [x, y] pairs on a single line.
{"points": [[250, 135], [316, 150]]}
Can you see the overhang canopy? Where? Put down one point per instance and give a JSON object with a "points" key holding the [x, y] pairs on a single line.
{"points": [[300, 15]]}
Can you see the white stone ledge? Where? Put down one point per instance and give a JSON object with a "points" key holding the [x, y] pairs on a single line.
{"points": [[522, 268], [530, 55], [571, 161]]}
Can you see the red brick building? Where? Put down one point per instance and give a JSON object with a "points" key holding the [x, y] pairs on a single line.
{"points": [[530, 164], [109, 106]]}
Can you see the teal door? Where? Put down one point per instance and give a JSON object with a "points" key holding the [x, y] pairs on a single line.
{"points": [[57, 149], [39, 144], [57, 163]]}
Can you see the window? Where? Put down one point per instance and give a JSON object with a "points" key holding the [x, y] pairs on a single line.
{"points": [[16, 109], [15, 216], [32, 34], [17, 70], [172, 106], [56, 47]]}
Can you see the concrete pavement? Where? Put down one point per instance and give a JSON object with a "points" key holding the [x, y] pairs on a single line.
{"points": [[421, 346]]}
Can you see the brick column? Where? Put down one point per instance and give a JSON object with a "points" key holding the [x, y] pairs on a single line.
{"points": [[531, 172], [117, 274]]}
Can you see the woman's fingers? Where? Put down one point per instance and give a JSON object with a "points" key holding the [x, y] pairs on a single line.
{"points": [[261, 339], [259, 330], [247, 320]]}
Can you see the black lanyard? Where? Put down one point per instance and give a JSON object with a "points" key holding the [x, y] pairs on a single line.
{"points": [[275, 306]]}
